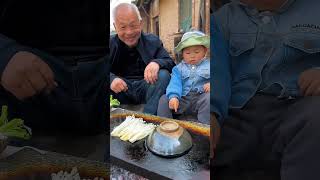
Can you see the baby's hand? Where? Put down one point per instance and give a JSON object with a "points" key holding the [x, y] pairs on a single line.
{"points": [[206, 87], [174, 104]]}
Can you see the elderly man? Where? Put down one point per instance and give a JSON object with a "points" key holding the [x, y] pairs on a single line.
{"points": [[140, 66], [274, 50]]}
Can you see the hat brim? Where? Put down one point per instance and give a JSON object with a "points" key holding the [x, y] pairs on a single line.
{"points": [[193, 41]]}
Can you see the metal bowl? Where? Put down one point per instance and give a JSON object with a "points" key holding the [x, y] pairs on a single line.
{"points": [[3, 142], [169, 140]]}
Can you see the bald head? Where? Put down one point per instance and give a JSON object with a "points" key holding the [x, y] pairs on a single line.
{"points": [[125, 8], [127, 23]]}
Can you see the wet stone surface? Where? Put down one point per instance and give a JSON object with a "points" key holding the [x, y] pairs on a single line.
{"points": [[117, 173], [137, 158]]}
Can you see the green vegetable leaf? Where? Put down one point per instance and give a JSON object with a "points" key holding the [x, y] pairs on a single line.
{"points": [[15, 128], [114, 102], [4, 115]]}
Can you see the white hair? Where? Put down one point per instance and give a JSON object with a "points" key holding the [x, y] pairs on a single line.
{"points": [[129, 5]]}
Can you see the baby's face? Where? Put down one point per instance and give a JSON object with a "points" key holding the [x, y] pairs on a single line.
{"points": [[194, 54]]}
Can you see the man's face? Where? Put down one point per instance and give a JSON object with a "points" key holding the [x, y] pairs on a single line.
{"points": [[128, 26], [265, 4], [194, 54]]}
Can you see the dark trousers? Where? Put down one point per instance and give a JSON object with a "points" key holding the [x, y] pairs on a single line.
{"points": [[268, 132], [192, 103], [140, 92], [78, 104]]}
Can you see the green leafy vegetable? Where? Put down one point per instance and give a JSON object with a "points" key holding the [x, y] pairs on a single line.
{"points": [[114, 102], [13, 128], [4, 115]]}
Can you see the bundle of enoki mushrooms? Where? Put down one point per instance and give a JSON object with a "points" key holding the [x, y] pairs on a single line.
{"points": [[133, 129]]}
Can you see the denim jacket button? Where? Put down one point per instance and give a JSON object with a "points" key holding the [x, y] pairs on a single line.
{"points": [[266, 19]]}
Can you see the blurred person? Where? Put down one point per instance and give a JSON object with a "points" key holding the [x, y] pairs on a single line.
{"points": [[274, 73], [53, 59]]}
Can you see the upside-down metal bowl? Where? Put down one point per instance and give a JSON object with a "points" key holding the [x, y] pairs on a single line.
{"points": [[169, 140]]}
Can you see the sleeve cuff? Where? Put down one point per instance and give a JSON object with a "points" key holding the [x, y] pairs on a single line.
{"points": [[158, 62], [112, 77], [173, 96], [220, 117], [6, 54]]}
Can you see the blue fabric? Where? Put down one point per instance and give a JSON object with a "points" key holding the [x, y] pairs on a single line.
{"points": [[220, 73], [269, 50], [186, 77]]}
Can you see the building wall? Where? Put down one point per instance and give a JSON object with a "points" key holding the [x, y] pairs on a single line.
{"points": [[145, 20], [167, 12], [169, 23], [208, 6]]}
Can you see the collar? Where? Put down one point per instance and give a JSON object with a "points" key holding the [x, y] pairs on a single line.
{"points": [[201, 61], [254, 11]]}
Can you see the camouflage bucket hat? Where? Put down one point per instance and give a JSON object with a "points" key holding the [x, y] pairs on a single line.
{"points": [[193, 38]]}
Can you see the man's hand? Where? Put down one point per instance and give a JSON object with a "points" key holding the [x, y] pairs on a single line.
{"points": [[309, 82], [27, 75], [206, 87], [174, 104], [151, 72], [214, 133], [118, 85]]}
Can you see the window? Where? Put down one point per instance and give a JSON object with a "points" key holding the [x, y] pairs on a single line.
{"points": [[156, 30], [202, 17], [185, 15]]}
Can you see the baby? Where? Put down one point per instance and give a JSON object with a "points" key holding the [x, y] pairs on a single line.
{"points": [[189, 89]]}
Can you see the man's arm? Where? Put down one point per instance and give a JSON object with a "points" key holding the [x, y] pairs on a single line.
{"points": [[113, 56], [221, 73], [8, 48], [112, 77], [23, 73], [174, 88], [221, 20]]}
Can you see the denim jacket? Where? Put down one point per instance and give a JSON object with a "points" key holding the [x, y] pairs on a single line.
{"points": [[269, 50], [186, 77]]}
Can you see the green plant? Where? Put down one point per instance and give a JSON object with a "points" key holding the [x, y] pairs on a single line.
{"points": [[13, 128]]}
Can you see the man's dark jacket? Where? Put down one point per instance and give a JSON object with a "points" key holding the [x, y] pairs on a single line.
{"points": [[150, 49], [72, 29]]}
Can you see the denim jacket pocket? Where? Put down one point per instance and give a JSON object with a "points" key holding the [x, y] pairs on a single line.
{"points": [[240, 46], [185, 74], [301, 52], [240, 43], [305, 42], [204, 72], [298, 45]]}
